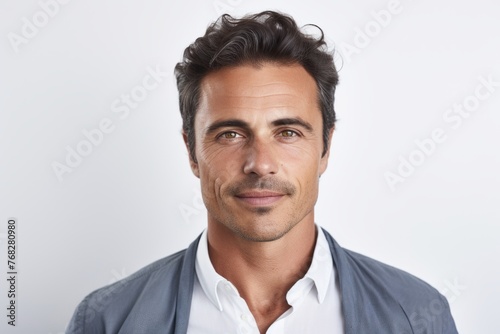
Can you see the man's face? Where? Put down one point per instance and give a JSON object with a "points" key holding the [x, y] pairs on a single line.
{"points": [[258, 147]]}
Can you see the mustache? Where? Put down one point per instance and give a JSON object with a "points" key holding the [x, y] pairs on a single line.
{"points": [[252, 183]]}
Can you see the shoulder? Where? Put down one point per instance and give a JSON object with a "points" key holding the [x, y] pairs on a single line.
{"points": [[389, 291], [425, 308], [105, 310], [398, 283], [361, 268]]}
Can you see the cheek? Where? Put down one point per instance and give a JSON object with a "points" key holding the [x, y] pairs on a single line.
{"points": [[306, 171], [309, 178], [304, 161], [215, 154], [216, 173]]}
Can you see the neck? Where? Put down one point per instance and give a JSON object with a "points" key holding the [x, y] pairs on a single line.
{"points": [[263, 272]]}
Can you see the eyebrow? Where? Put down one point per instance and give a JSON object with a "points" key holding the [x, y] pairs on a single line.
{"points": [[244, 125], [226, 123], [293, 121]]}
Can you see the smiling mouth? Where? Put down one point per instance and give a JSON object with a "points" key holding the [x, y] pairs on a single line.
{"points": [[260, 198]]}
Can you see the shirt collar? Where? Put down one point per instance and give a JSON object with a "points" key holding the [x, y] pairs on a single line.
{"points": [[320, 271], [208, 277]]}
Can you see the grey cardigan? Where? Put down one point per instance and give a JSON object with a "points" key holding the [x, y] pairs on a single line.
{"points": [[376, 298]]}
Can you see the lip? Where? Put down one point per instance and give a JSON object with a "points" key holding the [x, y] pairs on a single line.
{"points": [[260, 198]]}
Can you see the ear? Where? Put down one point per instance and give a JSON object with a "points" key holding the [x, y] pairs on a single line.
{"points": [[192, 163], [324, 159]]}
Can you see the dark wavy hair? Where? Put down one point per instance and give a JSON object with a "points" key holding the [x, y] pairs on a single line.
{"points": [[255, 39]]}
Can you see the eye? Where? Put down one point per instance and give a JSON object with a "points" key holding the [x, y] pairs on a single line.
{"points": [[288, 133], [229, 135]]}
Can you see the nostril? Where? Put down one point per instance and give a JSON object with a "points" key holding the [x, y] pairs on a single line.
{"points": [[261, 162]]}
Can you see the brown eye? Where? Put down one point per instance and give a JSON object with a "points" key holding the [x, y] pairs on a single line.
{"points": [[288, 133], [229, 135]]}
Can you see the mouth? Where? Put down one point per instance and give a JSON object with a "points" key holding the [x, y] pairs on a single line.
{"points": [[260, 198]]}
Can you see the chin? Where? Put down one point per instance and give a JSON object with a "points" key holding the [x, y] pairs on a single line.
{"points": [[261, 237], [265, 233]]}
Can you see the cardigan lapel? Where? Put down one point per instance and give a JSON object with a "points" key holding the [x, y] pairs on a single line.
{"points": [[347, 292], [185, 290], [367, 304]]}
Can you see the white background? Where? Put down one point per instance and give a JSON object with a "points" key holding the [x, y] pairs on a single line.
{"points": [[134, 200]]}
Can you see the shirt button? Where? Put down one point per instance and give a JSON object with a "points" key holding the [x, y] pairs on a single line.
{"points": [[244, 317]]}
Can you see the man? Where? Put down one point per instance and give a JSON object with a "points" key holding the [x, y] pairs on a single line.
{"points": [[256, 97]]}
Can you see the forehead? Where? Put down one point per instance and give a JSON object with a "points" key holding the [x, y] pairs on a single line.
{"points": [[258, 90]]}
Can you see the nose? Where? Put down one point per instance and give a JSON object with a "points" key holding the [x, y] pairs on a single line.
{"points": [[260, 159]]}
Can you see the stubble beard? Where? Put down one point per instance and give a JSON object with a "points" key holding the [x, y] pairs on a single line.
{"points": [[246, 227]]}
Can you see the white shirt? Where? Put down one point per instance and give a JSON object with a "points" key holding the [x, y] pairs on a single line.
{"points": [[217, 308]]}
